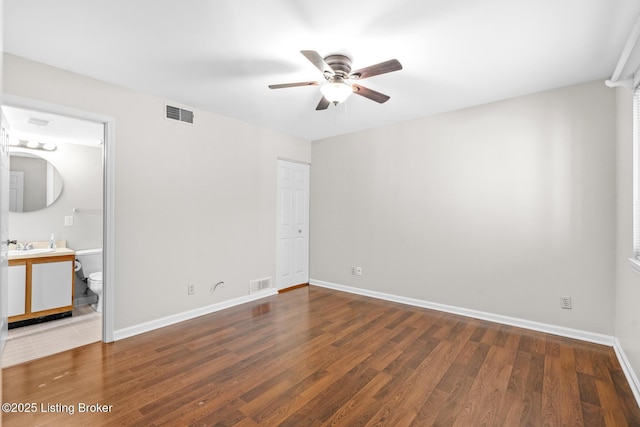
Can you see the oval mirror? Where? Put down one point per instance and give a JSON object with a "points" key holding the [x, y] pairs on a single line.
{"points": [[34, 184]]}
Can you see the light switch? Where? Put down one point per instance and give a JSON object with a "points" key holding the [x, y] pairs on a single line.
{"points": [[68, 220]]}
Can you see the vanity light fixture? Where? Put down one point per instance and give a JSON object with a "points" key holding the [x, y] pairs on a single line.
{"points": [[34, 145]]}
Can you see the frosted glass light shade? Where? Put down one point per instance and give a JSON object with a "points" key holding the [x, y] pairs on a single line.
{"points": [[336, 92]]}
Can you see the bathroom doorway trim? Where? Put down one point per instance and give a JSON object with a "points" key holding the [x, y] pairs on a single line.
{"points": [[108, 220]]}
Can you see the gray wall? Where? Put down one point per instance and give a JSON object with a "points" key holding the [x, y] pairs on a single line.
{"points": [[81, 170], [502, 208], [194, 204], [627, 315]]}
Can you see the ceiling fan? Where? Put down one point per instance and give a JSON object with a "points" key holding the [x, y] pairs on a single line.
{"points": [[340, 80]]}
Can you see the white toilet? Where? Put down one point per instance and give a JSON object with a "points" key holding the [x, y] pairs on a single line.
{"points": [[91, 261], [95, 284]]}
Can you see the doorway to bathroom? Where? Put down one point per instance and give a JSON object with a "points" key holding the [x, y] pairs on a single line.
{"points": [[71, 150]]}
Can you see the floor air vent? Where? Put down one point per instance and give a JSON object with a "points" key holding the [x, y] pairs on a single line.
{"points": [[259, 285], [179, 114]]}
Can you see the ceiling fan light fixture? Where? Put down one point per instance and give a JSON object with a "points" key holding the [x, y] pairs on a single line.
{"points": [[336, 92], [340, 81]]}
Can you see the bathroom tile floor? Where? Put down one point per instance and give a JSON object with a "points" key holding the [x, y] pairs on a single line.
{"points": [[35, 341]]}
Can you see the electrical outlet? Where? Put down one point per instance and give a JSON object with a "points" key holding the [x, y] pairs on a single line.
{"points": [[353, 270], [191, 289], [565, 302], [358, 271], [68, 220]]}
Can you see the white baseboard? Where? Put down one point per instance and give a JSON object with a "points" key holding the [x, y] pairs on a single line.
{"points": [[513, 321], [187, 315], [632, 379]]}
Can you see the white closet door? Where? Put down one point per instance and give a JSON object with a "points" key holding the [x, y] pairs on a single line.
{"points": [[293, 224]]}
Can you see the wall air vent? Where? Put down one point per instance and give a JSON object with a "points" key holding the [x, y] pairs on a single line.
{"points": [[176, 113], [259, 285]]}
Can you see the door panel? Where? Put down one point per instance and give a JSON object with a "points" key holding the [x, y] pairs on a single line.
{"points": [[16, 191], [293, 224], [4, 228]]}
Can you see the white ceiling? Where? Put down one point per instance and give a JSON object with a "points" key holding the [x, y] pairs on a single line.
{"points": [[58, 129], [221, 55]]}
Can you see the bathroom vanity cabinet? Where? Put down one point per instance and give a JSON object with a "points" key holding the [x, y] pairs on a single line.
{"points": [[41, 286]]}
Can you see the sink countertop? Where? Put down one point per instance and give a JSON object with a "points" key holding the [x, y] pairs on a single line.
{"points": [[55, 252]]}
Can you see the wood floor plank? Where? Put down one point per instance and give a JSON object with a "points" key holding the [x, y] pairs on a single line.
{"points": [[514, 399], [588, 389], [625, 396], [430, 410], [533, 342], [406, 401], [362, 406], [583, 361], [457, 382], [551, 389], [571, 406], [593, 415], [314, 356], [486, 394], [612, 407], [288, 403]]}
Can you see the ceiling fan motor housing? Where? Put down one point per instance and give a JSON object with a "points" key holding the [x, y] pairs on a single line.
{"points": [[340, 64]]}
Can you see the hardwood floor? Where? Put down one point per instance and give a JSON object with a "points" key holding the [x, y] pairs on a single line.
{"points": [[314, 356]]}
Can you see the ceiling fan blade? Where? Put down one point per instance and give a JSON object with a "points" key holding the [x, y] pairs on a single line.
{"points": [[323, 104], [374, 70], [283, 85], [370, 93], [318, 61]]}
